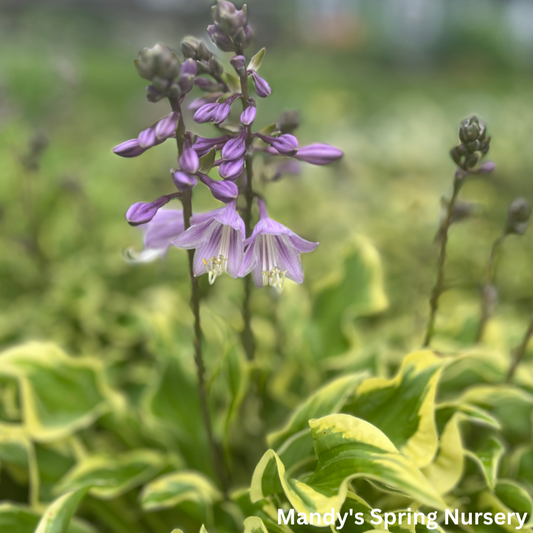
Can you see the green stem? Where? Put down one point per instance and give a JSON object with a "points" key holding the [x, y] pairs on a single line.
{"points": [[248, 340], [216, 456], [487, 302], [519, 353], [438, 289]]}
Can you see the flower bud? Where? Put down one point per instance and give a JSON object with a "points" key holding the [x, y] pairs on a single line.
{"points": [[223, 42], [147, 138], [238, 63], [183, 181], [189, 47], [142, 212], [207, 85], [248, 115], [518, 216], [285, 144], [204, 54], [221, 113], [235, 147], [188, 160], [231, 170], [262, 88], [288, 121], [129, 148], [225, 191], [215, 67], [153, 95], [205, 113], [318, 154], [474, 145], [197, 103], [159, 61], [166, 127], [204, 145]]}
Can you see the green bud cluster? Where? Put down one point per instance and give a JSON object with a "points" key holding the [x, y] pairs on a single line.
{"points": [[474, 144]]}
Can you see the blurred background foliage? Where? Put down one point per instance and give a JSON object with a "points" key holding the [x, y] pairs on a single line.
{"points": [[386, 81]]}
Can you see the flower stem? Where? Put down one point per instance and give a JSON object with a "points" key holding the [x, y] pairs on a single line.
{"points": [[487, 302], [519, 353], [186, 200], [247, 334], [438, 289]]}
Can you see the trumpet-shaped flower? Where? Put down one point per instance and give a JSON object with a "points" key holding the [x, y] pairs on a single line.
{"points": [[273, 253], [217, 237]]}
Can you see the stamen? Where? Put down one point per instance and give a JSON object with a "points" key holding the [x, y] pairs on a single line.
{"points": [[217, 265], [272, 274]]}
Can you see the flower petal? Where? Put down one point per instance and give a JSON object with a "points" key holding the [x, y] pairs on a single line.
{"points": [[195, 235], [289, 259], [207, 250], [235, 253], [249, 260], [302, 245]]}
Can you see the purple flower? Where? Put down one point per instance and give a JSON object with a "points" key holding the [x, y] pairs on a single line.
{"points": [[286, 144], [225, 191], [262, 88], [273, 253], [217, 237], [319, 154], [235, 148], [248, 115], [197, 103], [231, 170], [166, 127], [129, 148], [188, 160], [205, 113], [204, 145], [164, 227], [183, 181], [143, 212]]}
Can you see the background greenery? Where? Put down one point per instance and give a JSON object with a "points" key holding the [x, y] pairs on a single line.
{"points": [[125, 393]]}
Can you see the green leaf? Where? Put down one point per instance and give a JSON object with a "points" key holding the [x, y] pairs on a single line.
{"points": [[327, 400], [108, 476], [233, 82], [255, 62], [172, 489], [269, 129], [488, 457], [347, 448], [60, 394], [523, 466], [253, 524], [206, 161], [404, 407], [57, 517], [354, 291]]}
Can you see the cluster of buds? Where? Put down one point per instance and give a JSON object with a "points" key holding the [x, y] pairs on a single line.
{"points": [[272, 251], [230, 30], [168, 76], [473, 147]]}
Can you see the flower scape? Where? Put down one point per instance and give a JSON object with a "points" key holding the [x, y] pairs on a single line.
{"points": [[392, 391]]}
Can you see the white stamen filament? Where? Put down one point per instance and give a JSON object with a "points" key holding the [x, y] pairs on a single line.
{"points": [[215, 266], [272, 274]]}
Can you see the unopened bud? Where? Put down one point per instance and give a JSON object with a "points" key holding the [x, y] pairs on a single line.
{"points": [[518, 216], [159, 61], [189, 47]]}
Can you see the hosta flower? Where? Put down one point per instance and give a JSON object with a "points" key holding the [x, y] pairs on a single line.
{"points": [[204, 145], [143, 212], [217, 237], [273, 253], [231, 170], [163, 228], [262, 88]]}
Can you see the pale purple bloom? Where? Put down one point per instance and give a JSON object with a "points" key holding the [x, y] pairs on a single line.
{"points": [[207, 84], [197, 103], [319, 154], [217, 237], [262, 88], [231, 170], [248, 115], [273, 253], [183, 181], [235, 148], [143, 212], [165, 226], [204, 145], [225, 191], [166, 127], [205, 113], [188, 160], [188, 68]]}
